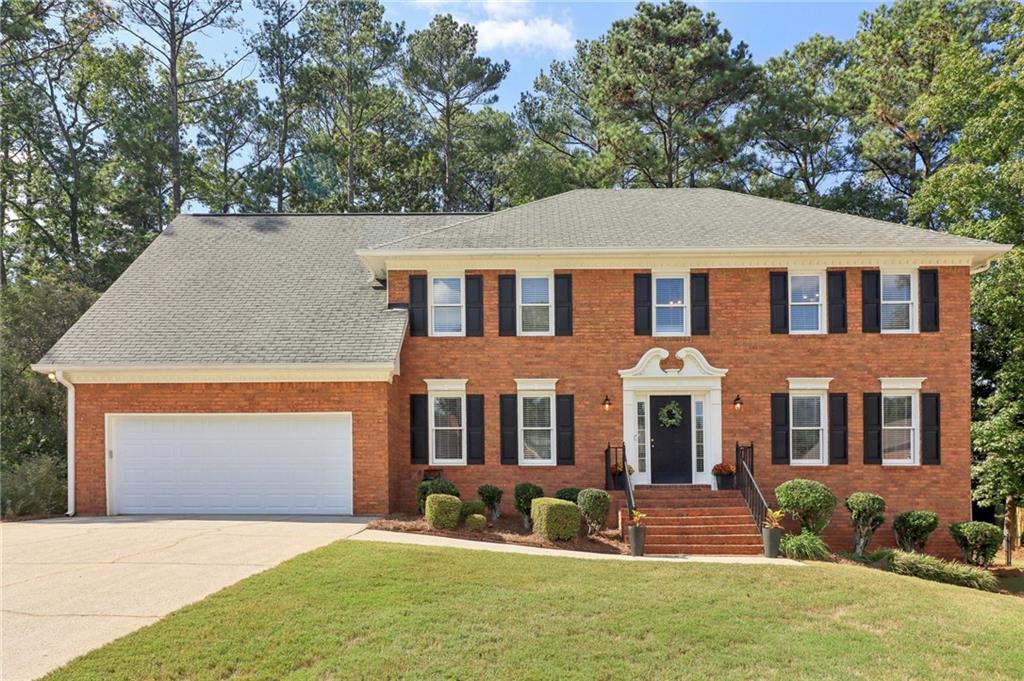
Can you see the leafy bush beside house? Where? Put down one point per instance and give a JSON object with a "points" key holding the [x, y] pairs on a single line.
{"points": [[594, 504], [978, 541], [934, 569], [491, 496], [474, 507], [810, 502], [433, 486], [568, 494], [912, 529], [524, 494], [867, 512], [555, 519], [805, 546], [475, 522], [443, 511], [36, 486]]}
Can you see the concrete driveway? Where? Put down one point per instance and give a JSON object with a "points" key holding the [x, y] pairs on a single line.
{"points": [[70, 585]]}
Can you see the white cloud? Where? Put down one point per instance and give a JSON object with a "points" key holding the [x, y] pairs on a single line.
{"points": [[506, 9], [534, 33]]}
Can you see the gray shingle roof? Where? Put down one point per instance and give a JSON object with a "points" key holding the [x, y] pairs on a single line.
{"points": [[253, 289], [699, 219]]}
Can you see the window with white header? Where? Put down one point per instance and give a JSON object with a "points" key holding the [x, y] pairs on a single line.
{"points": [[899, 428], [807, 428]]}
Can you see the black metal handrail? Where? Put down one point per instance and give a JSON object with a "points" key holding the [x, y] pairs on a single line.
{"points": [[616, 473], [747, 485]]}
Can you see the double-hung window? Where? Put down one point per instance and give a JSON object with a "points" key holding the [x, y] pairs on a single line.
{"points": [[898, 292], [447, 306], [536, 421], [536, 305], [807, 428], [447, 420], [806, 309], [899, 429], [670, 305]]}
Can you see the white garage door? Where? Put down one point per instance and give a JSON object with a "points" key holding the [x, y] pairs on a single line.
{"points": [[230, 463]]}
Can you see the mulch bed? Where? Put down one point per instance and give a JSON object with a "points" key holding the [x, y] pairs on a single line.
{"points": [[507, 530]]}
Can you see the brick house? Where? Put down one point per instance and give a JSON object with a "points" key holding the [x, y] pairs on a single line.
{"points": [[326, 363]]}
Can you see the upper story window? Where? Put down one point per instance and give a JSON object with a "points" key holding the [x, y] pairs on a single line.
{"points": [[447, 306], [536, 308], [447, 421], [807, 428], [898, 293], [805, 303], [670, 305], [899, 428]]}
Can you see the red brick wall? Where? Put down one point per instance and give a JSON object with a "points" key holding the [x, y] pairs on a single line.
{"points": [[759, 363], [368, 403]]}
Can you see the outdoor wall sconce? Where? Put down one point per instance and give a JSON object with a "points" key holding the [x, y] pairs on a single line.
{"points": [[607, 404], [737, 403]]}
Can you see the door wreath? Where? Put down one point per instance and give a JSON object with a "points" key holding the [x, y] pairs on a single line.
{"points": [[671, 415]]}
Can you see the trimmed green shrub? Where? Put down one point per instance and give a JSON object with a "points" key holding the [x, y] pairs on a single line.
{"points": [[804, 546], [473, 507], [978, 541], [936, 569], [36, 486], [475, 522], [555, 519], [867, 511], [594, 504], [568, 494], [443, 511], [912, 529], [435, 486], [491, 496], [524, 494], [810, 502]]}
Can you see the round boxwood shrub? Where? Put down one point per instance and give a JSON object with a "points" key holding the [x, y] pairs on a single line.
{"points": [[594, 504], [555, 519], [804, 546], [978, 541], [525, 493], [867, 511], [912, 529], [491, 496], [475, 522], [443, 511], [808, 501], [568, 494], [433, 486], [473, 507]]}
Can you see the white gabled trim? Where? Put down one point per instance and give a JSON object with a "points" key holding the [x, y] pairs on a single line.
{"points": [[535, 384], [809, 383], [226, 373], [446, 384], [59, 377], [901, 383]]}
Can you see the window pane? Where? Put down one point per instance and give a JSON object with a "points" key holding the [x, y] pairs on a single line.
{"points": [[897, 411], [641, 437], [803, 318], [896, 316], [534, 290], [448, 445], [537, 445], [668, 291], [897, 444], [668, 319], [804, 289], [447, 291], [896, 287], [806, 412], [536, 412], [806, 445], [448, 319], [447, 412], [698, 424], [536, 318]]}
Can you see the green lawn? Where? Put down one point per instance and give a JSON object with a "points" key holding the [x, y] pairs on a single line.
{"points": [[374, 611]]}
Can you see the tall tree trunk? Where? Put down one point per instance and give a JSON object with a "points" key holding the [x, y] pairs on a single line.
{"points": [[1010, 529], [448, 160], [5, 158], [175, 123]]}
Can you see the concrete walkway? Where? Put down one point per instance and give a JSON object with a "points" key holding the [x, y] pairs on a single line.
{"points": [[433, 540]]}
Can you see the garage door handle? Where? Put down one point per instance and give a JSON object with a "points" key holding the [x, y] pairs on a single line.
{"points": [[110, 454]]}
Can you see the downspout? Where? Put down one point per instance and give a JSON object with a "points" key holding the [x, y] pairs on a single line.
{"points": [[58, 377]]}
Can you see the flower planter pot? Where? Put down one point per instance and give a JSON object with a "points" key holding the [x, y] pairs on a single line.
{"points": [[771, 537], [637, 537], [726, 481]]}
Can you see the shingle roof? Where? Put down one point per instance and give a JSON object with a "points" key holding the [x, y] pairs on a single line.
{"points": [[247, 289], [699, 219]]}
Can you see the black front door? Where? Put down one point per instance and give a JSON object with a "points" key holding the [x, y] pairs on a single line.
{"points": [[671, 446]]}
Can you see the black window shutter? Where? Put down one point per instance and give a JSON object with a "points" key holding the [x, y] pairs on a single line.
{"points": [[474, 305], [700, 312], [417, 305], [563, 304], [565, 437], [779, 284], [930, 440], [506, 304], [871, 295], [419, 435], [838, 430], [509, 429], [928, 292], [836, 286], [474, 429], [641, 304], [780, 428], [873, 428]]}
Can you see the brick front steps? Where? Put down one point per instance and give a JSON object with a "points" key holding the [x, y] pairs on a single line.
{"points": [[695, 520]]}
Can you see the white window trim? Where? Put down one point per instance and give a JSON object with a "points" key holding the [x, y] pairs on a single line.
{"points": [[685, 276], [551, 302], [822, 302], [913, 300], [694, 401], [823, 402], [430, 302], [446, 388], [915, 426], [536, 389]]}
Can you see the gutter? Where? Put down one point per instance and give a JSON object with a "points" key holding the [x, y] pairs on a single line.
{"points": [[58, 377]]}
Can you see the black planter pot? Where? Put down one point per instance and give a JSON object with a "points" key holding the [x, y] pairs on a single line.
{"points": [[637, 537], [726, 481], [771, 537]]}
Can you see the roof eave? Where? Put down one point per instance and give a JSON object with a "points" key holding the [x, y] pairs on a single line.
{"points": [[222, 373]]}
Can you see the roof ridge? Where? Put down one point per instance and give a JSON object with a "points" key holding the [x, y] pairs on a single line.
{"points": [[371, 214]]}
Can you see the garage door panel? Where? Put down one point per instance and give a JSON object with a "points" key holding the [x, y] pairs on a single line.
{"points": [[238, 463]]}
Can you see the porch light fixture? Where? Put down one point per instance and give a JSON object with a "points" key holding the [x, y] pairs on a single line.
{"points": [[607, 404], [52, 376], [737, 403]]}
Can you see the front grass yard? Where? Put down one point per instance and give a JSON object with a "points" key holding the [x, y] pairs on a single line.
{"points": [[359, 610]]}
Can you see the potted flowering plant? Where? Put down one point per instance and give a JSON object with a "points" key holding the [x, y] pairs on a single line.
{"points": [[771, 533], [617, 470], [725, 475], [637, 534]]}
